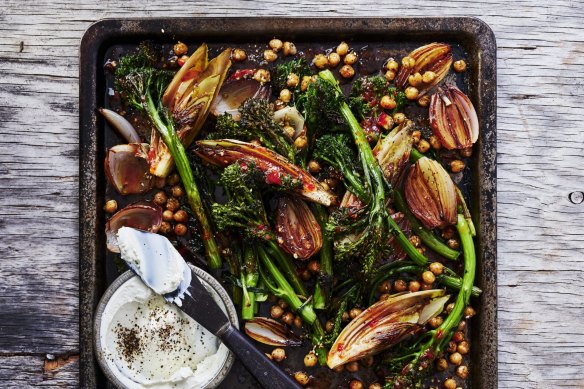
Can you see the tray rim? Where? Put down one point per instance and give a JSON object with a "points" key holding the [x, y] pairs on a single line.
{"points": [[101, 32]]}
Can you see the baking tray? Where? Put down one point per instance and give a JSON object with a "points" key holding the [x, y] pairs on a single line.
{"points": [[470, 36]]}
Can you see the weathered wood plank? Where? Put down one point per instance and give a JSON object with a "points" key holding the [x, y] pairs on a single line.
{"points": [[541, 246]]}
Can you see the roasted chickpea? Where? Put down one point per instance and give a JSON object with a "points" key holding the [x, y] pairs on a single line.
{"points": [[355, 384], [339, 369], [384, 287], [160, 198], [300, 142], [437, 268], [289, 49], [414, 286], [111, 206], [399, 118], [278, 354], [262, 76], [449, 307], [347, 71], [426, 286], [462, 372], [416, 136], [459, 66], [435, 322], [469, 312], [400, 285], [283, 304], [292, 80], [411, 93], [453, 244], [310, 360], [352, 367], [463, 347], [180, 229], [285, 95], [461, 326], [301, 377], [329, 326], [298, 322], [415, 240], [168, 215], [458, 336], [375, 385], [172, 204], [180, 48], [276, 311], [392, 65], [387, 102], [275, 44], [415, 79], [424, 101], [353, 313], [289, 130], [345, 316], [173, 179], [441, 364], [466, 152], [421, 250], [390, 75], [448, 232], [342, 49], [428, 77], [428, 277], [270, 55], [435, 142], [350, 58], [306, 80], [181, 216], [320, 61], [288, 318], [314, 266], [423, 146], [165, 228], [449, 383], [457, 166], [238, 55], [314, 167], [177, 191], [384, 296], [333, 59], [408, 62], [455, 358]]}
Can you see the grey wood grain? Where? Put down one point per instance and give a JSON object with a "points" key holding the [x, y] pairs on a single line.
{"points": [[540, 152]]}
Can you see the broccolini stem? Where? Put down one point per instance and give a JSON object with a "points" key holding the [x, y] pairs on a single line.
{"points": [[456, 284], [179, 155], [427, 236], [249, 278], [323, 286], [288, 267], [415, 155]]}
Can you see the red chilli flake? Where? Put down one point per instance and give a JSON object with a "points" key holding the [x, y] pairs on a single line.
{"points": [[428, 354], [340, 347], [439, 334], [310, 186], [273, 178], [243, 73], [373, 323]]}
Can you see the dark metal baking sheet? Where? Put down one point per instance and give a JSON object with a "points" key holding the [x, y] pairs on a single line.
{"points": [[472, 37]]}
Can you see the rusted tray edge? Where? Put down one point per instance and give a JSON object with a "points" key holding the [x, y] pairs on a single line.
{"points": [[99, 34]]}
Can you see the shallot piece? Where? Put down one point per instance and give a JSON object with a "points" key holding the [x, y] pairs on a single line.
{"points": [[142, 215], [433, 57], [127, 168], [234, 92], [271, 332], [297, 230], [124, 128]]}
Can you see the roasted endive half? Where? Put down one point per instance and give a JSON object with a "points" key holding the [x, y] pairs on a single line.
{"points": [[297, 230], [385, 324], [276, 169], [453, 118], [434, 57], [188, 98], [393, 152], [431, 194]]}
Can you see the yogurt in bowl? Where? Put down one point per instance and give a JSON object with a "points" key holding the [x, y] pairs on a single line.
{"points": [[142, 341]]}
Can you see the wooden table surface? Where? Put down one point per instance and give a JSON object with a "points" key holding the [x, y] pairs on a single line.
{"points": [[540, 155]]}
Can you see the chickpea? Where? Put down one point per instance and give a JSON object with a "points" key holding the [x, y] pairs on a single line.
{"points": [[159, 182], [177, 191], [455, 358], [160, 198], [426, 286], [415, 79], [392, 65], [289, 130], [387, 102], [416, 136], [301, 142], [384, 296], [421, 250], [289, 49], [435, 142], [345, 316], [461, 325], [283, 304], [342, 49], [453, 244], [181, 216], [449, 383], [400, 285], [469, 312], [448, 232], [165, 228], [334, 59], [462, 372], [428, 77], [173, 179], [301, 377], [411, 93], [449, 307], [384, 287], [375, 385], [238, 55], [298, 322], [423, 146], [172, 204], [414, 286], [352, 367], [180, 229], [353, 313], [459, 66], [347, 71], [441, 364], [435, 322], [288, 318], [180, 48], [424, 101], [437, 268], [355, 384], [457, 166], [276, 312], [270, 55], [466, 152], [314, 167], [390, 75], [415, 240], [339, 369], [399, 118], [314, 266], [292, 80], [329, 326], [458, 336], [278, 354], [111, 206], [168, 215], [285, 95], [306, 274], [320, 61], [463, 347], [262, 76], [408, 62], [275, 44], [428, 277], [350, 58], [306, 80], [310, 360]]}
